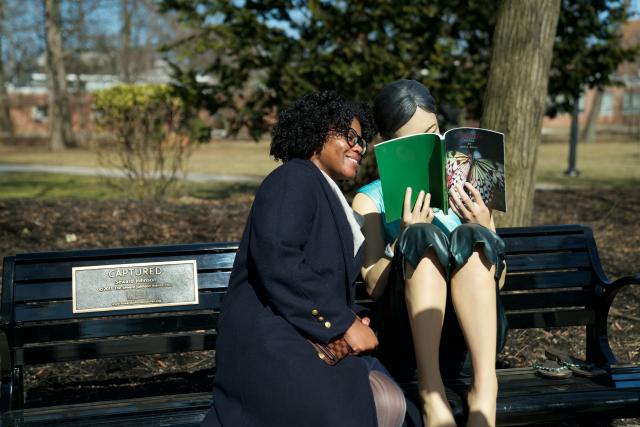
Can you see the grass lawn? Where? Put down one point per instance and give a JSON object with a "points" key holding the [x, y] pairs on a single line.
{"points": [[217, 157], [52, 186], [60, 186], [602, 165], [233, 158]]}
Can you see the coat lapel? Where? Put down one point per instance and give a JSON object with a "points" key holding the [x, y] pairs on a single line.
{"points": [[340, 218]]}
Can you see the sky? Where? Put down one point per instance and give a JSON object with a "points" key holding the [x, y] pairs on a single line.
{"points": [[635, 6]]}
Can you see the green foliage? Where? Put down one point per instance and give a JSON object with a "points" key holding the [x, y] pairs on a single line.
{"points": [[151, 127], [239, 51], [264, 54], [114, 105], [261, 55], [358, 47]]}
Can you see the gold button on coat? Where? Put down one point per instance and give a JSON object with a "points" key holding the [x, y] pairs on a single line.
{"points": [[314, 312], [327, 325], [320, 318]]}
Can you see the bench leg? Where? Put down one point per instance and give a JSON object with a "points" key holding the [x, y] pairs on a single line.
{"points": [[7, 375], [17, 395]]}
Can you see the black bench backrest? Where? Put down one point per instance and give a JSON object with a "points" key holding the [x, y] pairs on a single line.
{"points": [[552, 273], [41, 328], [551, 277]]}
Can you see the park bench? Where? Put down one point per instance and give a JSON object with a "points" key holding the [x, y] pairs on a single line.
{"points": [[554, 280]]}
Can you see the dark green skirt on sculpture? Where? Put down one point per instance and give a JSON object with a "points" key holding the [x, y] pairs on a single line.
{"points": [[394, 332]]}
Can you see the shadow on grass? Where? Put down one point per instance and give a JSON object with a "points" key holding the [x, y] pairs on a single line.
{"points": [[46, 189], [225, 190], [51, 186], [59, 186]]}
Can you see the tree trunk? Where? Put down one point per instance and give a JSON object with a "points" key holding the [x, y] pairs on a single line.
{"points": [[59, 116], [6, 126], [592, 121], [514, 100], [125, 42], [83, 106]]}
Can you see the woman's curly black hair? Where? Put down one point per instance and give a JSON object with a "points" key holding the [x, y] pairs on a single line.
{"points": [[302, 128]]}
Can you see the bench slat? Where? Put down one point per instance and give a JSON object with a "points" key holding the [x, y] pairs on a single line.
{"points": [[62, 310], [172, 410], [532, 387], [61, 290], [104, 348], [548, 261], [547, 280], [543, 300], [524, 381], [550, 319], [545, 243], [209, 248], [541, 230], [61, 269], [113, 327]]}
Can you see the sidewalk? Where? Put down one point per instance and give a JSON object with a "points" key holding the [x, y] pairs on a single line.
{"points": [[80, 170], [194, 177]]}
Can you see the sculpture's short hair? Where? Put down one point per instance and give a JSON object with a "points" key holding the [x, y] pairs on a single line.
{"points": [[396, 104]]}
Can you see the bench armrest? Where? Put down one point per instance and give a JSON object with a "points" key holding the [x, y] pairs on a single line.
{"points": [[611, 289], [599, 335], [627, 280]]}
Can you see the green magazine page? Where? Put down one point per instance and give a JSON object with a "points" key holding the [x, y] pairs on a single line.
{"points": [[415, 161]]}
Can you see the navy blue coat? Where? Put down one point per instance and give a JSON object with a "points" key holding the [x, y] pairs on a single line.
{"points": [[293, 277]]}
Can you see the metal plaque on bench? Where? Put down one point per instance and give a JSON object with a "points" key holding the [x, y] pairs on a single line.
{"points": [[129, 286]]}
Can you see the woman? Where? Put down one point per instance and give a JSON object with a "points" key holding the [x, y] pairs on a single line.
{"points": [[292, 281], [432, 284]]}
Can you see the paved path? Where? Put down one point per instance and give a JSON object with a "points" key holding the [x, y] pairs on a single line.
{"points": [[81, 170], [195, 177]]}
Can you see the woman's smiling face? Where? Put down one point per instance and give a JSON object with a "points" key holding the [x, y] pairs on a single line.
{"points": [[337, 159]]}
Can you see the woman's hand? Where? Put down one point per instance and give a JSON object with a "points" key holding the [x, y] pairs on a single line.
{"points": [[474, 211], [421, 211], [360, 336]]}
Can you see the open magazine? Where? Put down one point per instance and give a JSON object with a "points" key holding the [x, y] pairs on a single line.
{"points": [[435, 163]]}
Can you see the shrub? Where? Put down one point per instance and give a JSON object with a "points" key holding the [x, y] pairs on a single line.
{"points": [[150, 125]]}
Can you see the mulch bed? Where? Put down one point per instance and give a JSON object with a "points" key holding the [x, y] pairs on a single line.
{"points": [[35, 225]]}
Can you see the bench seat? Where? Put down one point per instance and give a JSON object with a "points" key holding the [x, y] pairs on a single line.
{"points": [[184, 410], [524, 397]]}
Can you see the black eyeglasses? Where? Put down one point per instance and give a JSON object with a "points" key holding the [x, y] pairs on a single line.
{"points": [[353, 138]]}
